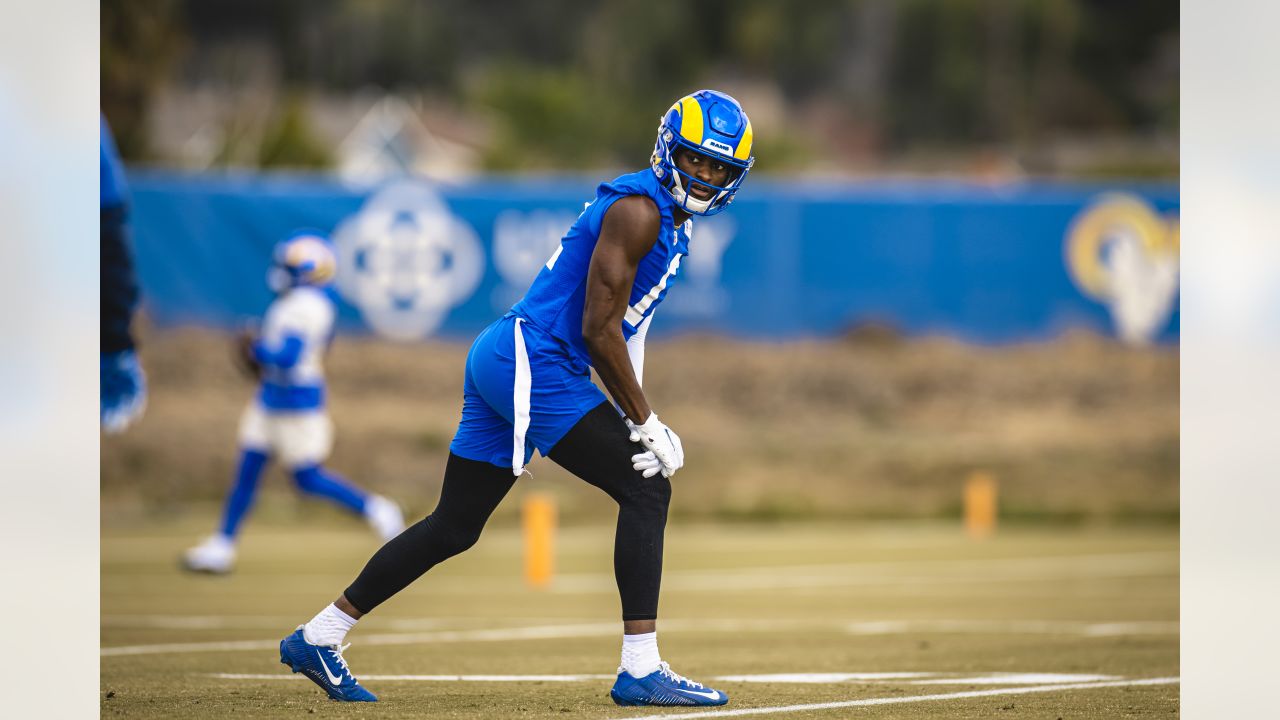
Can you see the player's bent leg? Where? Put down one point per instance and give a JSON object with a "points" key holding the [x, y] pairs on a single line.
{"points": [[315, 480], [383, 514], [217, 554], [471, 491], [598, 449], [305, 440], [473, 487], [248, 472]]}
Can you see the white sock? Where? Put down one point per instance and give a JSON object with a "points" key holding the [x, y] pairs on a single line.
{"points": [[328, 627], [640, 654]]}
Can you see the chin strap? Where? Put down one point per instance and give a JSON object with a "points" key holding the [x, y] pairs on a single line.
{"points": [[685, 200]]}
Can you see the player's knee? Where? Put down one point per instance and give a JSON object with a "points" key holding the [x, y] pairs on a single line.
{"points": [[459, 541], [307, 479], [651, 494], [455, 537], [661, 490]]}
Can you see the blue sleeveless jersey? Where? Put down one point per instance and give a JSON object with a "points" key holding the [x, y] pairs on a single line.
{"points": [[555, 300]]}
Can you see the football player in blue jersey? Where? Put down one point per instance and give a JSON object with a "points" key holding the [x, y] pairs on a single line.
{"points": [[287, 417], [528, 387], [123, 386]]}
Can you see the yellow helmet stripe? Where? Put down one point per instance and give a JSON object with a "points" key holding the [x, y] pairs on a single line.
{"points": [[691, 120], [744, 145]]}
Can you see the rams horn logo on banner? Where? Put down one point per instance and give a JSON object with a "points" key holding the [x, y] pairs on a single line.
{"points": [[405, 261], [1121, 253]]}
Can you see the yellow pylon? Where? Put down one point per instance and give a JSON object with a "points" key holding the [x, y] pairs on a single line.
{"points": [[980, 505], [539, 519]]}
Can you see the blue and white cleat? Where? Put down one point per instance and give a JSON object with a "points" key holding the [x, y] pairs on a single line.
{"points": [[663, 687], [324, 666]]}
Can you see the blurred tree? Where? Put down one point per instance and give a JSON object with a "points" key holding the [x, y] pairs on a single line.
{"points": [[140, 42], [1119, 49], [937, 74], [290, 142], [567, 85]]}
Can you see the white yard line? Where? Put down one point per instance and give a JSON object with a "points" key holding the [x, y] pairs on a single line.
{"points": [[892, 574], [524, 633], [891, 678], [1003, 678], [799, 678], [919, 678], [1034, 565], [869, 702], [189, 647], [424, 678], [610, 629], [277, 622], [877, 573], [1013, 627], [197, 622], [825, 678]]}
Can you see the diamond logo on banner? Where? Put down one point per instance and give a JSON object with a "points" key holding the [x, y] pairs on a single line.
{"points": [[405, 260]]}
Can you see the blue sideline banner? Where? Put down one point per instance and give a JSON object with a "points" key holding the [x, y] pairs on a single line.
{"points": [[787, 260]]}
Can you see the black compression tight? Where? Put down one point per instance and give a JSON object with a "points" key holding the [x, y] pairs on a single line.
{"points": [[471, 491], [596, 449]]}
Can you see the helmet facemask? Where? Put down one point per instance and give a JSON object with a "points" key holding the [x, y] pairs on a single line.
{"points": [[678, 182], [683, 184], [712, 125]]}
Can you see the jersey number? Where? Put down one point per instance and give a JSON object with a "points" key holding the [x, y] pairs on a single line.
{"points": [[635, 313]]}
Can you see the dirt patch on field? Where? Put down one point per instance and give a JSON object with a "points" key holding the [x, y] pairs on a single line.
{"points": [[867, 426]]}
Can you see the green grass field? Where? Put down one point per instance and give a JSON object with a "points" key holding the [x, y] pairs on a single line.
{"points": [[837, 598]]}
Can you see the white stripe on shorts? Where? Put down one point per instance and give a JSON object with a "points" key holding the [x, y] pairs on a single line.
{"points": [[524, 382]]}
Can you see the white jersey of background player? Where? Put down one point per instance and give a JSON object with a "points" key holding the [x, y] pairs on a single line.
{"points": [[287, 418]]}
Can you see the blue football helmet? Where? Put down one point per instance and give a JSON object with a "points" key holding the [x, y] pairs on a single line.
{"points": [[304, 258], [712, 124]]}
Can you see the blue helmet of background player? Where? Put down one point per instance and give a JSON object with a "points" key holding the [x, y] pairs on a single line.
{"points": [[712, 124], [304, 258]]}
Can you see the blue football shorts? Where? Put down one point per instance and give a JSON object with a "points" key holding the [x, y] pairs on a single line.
{"points": [[523, 391]]}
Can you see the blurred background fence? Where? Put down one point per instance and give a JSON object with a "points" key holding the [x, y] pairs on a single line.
{"points": [[791, 260]]}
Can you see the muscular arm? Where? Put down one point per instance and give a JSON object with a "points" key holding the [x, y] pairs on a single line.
{"points": [[628, 232]]}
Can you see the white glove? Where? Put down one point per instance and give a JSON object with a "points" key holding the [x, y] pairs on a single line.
{"points": [[646, 462], [661, 442]]}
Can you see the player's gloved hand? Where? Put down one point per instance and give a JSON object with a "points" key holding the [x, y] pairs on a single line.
{"points": [[661, 441], [646, 462], [242, 353], [123, 390]]}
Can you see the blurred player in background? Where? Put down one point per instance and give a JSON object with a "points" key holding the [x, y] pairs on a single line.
{"points": [[528, 386], [123, 387], [287, 417]]}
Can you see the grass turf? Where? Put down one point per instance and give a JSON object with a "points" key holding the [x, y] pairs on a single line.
{"points": [[738, 599]]}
